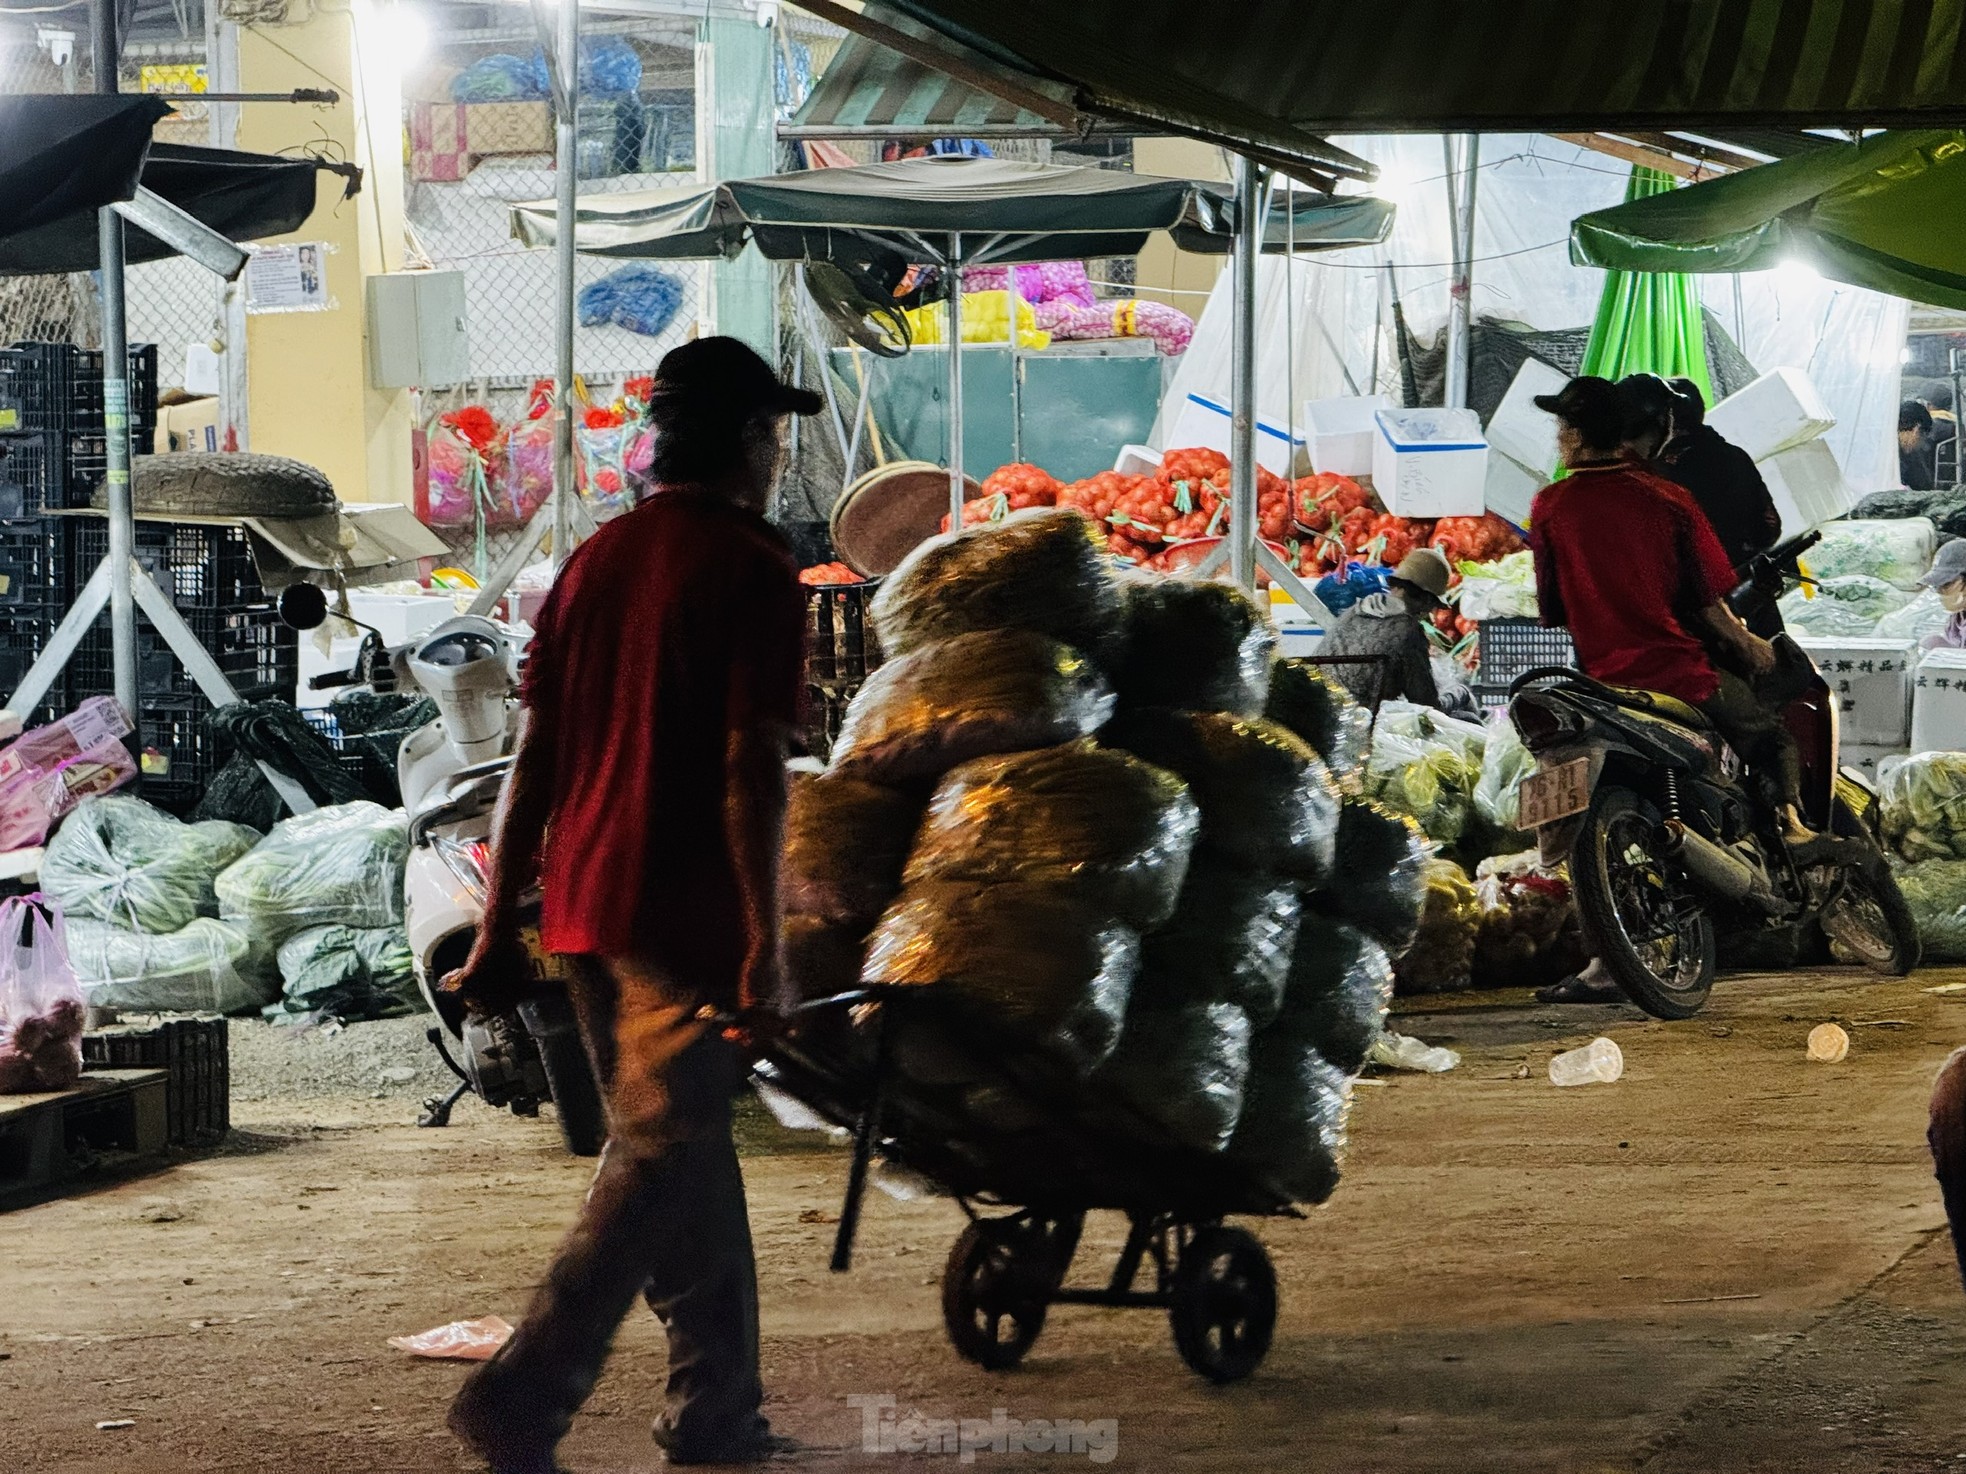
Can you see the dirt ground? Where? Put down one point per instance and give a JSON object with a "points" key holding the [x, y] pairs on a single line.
{"points": [[1732, 1259]]}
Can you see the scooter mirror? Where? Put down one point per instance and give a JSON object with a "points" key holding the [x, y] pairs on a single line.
{"points": [[303, 606]]}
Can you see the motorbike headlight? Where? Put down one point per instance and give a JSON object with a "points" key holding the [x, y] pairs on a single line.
{"points": [[469, 860]]}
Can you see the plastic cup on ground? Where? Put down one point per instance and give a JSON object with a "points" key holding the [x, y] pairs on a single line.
{"points": [[1598, 1063], [1828, 1044]]}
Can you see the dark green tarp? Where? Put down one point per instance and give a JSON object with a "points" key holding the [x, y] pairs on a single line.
{"points": [[1885, 213], [62, 155]]}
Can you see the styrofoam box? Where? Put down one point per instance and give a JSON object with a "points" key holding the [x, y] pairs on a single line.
{"points": [[1519, 430], [1808, 487], [1872, 683], [1299, 631], [1430, 462], [1938, 702], [1775, 413], [1340, 432], [1865, 759], [1509, 488], [1137, 460], [1204, 422]]}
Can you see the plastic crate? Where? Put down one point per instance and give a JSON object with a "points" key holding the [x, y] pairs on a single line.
{"points": [[25, 630], [1508, 647], [180, 751], [57, 386], [34, 563], [259, 655], [194, 1052], [840, 642], [199, 565], [33, 475], [356, 757]]}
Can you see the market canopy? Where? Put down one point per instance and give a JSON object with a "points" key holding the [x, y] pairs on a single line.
{"points": [[69, 155], [1005, 210], [1266, 77], [1882, 213]]}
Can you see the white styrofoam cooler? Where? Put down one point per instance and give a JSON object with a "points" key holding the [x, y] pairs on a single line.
{"points": [[1808, 487], [399, 618], [1430, 462], [1519, 430], [1509, 488], [1865, 758], [1938, 702], [1137, 460], [1872, 681], [1300, 632], [1205, 422], [1777, 412], [1340, 432]]}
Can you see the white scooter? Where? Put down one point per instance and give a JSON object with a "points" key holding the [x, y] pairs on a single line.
{"points": [[450, 771]]}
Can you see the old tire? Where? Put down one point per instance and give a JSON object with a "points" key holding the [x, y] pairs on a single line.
{"points": [[1634, 906], [207, 484], [1224, 1310]]}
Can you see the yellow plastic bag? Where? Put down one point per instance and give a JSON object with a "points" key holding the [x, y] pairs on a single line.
{"points": [[986, 319]]}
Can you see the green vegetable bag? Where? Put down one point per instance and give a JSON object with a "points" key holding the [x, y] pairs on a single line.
{"points": [[338, 866]]}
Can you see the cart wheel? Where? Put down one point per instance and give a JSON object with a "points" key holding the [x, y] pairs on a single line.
{"points": [[995, 1291], [1224, 1306]]}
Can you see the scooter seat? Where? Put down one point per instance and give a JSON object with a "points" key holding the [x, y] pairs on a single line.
{"points": [[1661, 705]]}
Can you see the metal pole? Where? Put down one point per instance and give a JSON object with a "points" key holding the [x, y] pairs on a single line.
{"points": [[955, 335], [116, 404], [1016, 367], [1463, 155], [1242, 418], [564, 210]]}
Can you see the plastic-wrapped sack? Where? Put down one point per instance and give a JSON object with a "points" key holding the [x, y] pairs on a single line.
{"points": [[1230, 941], [822, 958], [1043, 570], [1195, 646], [1504, 589], [1018, 960], [41, 1010], [1897, 551], [1266, 800], [1382, 857], [1505, 762], [1441, 958], [341, 865], [1305, 700], [1846, 607], [1921, 619], [1426, 772], [1292, 1132], [1529, 935], [117, 859], [1946, 510], [845, 844], [601, 467], [968, 697], [347, 972], [205, 966], [1183, 1069], [1339, 988], [1109, 830], [1935, 890], [1923, 812]]}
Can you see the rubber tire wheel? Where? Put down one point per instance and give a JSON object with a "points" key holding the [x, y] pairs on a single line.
{"points": [[1224, 1308], [1875, 876], [991, 1283], [1597, 908], [239, 484], [576, 1096]]}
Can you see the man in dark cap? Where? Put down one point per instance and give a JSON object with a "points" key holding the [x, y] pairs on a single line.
{"points": [[1917, 441], [647, 797], [1724, 483]]}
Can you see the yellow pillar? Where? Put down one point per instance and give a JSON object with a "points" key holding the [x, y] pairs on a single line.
{"points": [[1166, 273], [308, 373]]}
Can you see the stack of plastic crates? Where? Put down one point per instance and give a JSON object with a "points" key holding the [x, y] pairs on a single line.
{"points": [[841, 650], [1507, 648]]}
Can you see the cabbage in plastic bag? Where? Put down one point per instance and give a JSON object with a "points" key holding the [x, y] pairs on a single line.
{"points": [[1044, 570], [1842, 608], [1230, 941], [1895, 551], [1381, 857], [1110, 830], [1195, 646], [845, 844], [347, 972], [1441, 958], [1426, 770], [1292, 1132], [1266, 800], [341, 865], [1923, 806], [1183, 1070], [1917, 622], [205, 966], [1505, 762], [120, 860], [1308, 702], [1021, 962], [968, 697], [1339, 988], [1936, 893]]}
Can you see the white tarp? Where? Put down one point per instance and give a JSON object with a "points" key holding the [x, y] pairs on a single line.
{"points": [[1531, 186]]}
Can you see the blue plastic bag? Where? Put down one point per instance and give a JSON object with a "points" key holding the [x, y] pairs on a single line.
{"points": [[642, 299], [498, 78], [1341, 589], [609, 67]]}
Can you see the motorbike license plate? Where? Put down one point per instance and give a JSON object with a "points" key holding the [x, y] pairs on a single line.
{"points": [[1550, 794]]}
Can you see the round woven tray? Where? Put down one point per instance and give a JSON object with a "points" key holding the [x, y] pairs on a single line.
{"points": [[887, 513]]}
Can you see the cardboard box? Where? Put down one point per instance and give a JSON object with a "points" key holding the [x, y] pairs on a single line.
{"points": [[192, 425], [1938, 702], [507, 128], [1430, 463], [1872, 682], [437, 147]]}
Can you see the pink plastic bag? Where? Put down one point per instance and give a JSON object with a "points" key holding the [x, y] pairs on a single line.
{"points": [[41, 1006], [47, 771], [461, 1340]]}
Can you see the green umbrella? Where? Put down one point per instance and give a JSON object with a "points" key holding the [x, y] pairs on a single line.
{"points": [[1648, 321]]}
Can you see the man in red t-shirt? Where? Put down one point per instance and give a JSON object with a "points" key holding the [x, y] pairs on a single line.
{"points": [[647, 795], [1628, 561]]}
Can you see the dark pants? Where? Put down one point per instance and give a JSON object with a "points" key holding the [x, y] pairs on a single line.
{"points": [[1754, 729], [665, 1219]]}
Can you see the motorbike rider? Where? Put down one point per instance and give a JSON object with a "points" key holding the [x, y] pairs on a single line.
{"points": [[648, 794], [1724, 483]]}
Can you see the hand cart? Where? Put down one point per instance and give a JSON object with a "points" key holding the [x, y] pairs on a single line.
{"points": [[1070, 1156]]}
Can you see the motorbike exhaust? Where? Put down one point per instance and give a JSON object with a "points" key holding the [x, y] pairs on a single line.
{"points": [[1714, 869]]}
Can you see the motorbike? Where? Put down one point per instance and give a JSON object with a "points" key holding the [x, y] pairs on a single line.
{"points": [[1670, 843], [450, 771]]}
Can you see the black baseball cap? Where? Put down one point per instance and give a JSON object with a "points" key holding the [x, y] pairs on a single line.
{"points": [[1593, 406], [1650, 403], [726, 376]]}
